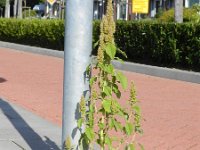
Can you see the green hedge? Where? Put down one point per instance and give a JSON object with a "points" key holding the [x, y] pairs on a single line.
{"points": [[162, 44], [43, 33], [189, 15]]}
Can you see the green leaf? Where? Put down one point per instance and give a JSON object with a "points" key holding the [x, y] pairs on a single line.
{"points": [[136, 109], [92, 80], [101, 125], [89, 133], [129, 128], [106, 105], [109, 69], [111, 123], [110, 50], [116, 91], [96, 44], [107, 90], [120, 60], [91, 116], [123, 80], [121, 52], [117, 125], [79, 122], [88, 69], [131, 147], [108, 141]]}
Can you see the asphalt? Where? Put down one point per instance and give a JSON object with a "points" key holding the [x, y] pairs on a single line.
{"points": [[20, 129]]}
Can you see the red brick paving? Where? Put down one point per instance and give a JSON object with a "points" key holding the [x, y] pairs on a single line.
{"points": [[171, 108]]}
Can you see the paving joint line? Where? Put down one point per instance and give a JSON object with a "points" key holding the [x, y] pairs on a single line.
{"points": [[18, 145]]}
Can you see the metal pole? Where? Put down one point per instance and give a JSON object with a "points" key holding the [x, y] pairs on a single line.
{"points": [[60, 9], [17, 11], [51, 11], [78, 47]]}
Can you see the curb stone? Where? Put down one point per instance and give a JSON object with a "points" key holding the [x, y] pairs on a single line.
{"points": [[176, 74]]}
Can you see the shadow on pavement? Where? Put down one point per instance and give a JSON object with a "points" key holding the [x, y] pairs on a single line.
{"points": [[2, 80], [34, 141]]}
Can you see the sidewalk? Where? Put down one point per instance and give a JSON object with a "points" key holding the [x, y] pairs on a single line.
{"points": [[171, 108], [23, 130]]}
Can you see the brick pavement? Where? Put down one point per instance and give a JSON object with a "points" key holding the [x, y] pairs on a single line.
{"points": [[171, 108]]}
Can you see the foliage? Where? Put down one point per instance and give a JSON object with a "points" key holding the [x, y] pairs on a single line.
{"points": [[189, 15], [2, 3], [26, 12], [160, 13], [161, 44], [196, 7], [104, 103], [44, 33]]}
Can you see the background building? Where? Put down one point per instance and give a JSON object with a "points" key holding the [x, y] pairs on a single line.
{"points": [[123, 8]]}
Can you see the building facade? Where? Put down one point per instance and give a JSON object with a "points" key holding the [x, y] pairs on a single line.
{"points": [[123, 8]]}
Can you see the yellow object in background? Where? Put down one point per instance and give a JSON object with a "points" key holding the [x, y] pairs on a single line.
{"points": [[140, 6], [51, 1]]}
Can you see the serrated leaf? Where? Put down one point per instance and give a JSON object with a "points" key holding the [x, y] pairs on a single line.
{"points": [[109, 69], [107, 90], [123, 80], [89, 133], [106, 105], [129, 128], [110, 50]]}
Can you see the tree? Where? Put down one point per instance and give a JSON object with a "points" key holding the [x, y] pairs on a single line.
{"points": [[2, 3], [7, 9], [18, 8], [178, 13]]}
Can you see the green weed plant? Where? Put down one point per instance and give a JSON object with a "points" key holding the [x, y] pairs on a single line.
{"points": [[105, 114]]}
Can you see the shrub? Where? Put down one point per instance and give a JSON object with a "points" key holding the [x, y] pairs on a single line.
{"points": [[189, 15], [151, 42], [29, 13], [164, 44], [43, 33]]}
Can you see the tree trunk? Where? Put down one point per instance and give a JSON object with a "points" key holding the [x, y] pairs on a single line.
{"points": [[178, 13], [15, 8], [7, 9], [19, 9]]}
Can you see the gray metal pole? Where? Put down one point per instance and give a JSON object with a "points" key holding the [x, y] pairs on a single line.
{"points": [[178, 13], [78, 47]]}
